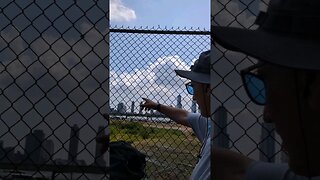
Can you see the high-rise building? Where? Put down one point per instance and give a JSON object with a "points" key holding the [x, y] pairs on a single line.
{"points": [[194, 107], [140, 109], [122, 109], [179, 105], [33, 146], [132, 107], [267, 146], [99, 155], [73, 144], [47, 151], [220, 137]]}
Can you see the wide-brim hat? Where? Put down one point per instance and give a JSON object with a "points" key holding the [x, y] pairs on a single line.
{"points": [[200, 70], [288, 35]]}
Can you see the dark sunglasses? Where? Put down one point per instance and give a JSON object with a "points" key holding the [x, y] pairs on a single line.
{"points": [[189, 88], [254, 84]]}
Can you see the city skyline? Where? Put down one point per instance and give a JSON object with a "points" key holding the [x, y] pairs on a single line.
{"points": [[40, 150], [121, 107]]}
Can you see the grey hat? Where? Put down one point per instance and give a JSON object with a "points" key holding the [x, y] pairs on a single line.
{"points": [[200, 70], [288, 35]]}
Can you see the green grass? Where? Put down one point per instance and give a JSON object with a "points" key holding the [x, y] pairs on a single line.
{"points": [[135, 131], [173, 150]]}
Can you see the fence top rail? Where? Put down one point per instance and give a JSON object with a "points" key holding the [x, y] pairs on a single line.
{"points": [[165, 31]]}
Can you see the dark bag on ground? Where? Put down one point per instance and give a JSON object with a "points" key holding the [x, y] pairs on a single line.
{"points": [[126, 162]]}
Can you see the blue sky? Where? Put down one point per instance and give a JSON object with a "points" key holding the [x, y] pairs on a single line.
{"points": [[142, 65], [170, 13]]}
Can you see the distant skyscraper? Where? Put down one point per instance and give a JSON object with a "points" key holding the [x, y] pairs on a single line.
{"points": [[47, 151], [132, 107], [121, 108], [99, 155], [267, 146], [33, 146], [140, 109], [179, 105], [74, 142], [220, 137], [194, 107]]}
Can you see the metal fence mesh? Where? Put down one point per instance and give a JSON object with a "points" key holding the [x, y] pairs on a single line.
{"points": [[238, 121], [53, 88], [142, 63]]}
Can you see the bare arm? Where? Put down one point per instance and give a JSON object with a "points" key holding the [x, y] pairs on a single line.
{"points": [[176, 114], [228, 165]]}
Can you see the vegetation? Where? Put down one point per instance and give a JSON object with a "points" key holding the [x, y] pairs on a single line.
{"points": [[170, 148], [136, 131]]}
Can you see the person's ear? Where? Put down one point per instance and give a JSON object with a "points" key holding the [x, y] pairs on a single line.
{"points": [[314, 97]]}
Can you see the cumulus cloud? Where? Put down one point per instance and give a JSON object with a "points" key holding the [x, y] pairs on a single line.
{"points": [[119, 12], [157, 81]]}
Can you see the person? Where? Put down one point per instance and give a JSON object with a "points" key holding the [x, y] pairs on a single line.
{"points": [[286, 81], [199, 87]]}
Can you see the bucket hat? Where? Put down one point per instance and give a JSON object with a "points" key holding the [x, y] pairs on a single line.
{"points": [[288, 35], [200, 70]]}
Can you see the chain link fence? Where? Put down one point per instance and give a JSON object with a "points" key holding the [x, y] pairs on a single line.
{"points": [[53, 88], [238, 121], [142, 63]]}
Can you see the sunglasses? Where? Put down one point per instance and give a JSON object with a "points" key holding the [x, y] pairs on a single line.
{"points": [[254, 84], [189, 88]]}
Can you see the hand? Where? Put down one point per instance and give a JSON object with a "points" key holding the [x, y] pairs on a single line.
{"points": [[148, 104]]}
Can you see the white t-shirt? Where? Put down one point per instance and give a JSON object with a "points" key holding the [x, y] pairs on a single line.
{"points": [[201, 127], [271, 171]]}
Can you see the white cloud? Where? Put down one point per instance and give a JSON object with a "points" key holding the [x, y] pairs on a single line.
{"points": [[230, 13], [119, 12], [157, 82]]}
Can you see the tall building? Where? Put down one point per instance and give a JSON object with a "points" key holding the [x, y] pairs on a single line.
{"points": [[73, 145], [99, 155], [140, 109], [221, 137], [122, 109], [132, 107], [194, 107], [179, 105], [267, 146], [47, 151], [33, 145]]}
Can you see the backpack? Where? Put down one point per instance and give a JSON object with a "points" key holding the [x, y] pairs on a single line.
{"points": [[126, 162]]}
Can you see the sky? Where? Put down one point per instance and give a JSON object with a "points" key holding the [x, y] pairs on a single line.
{"points": [[53, 72], [145, 66], [177, 13]]}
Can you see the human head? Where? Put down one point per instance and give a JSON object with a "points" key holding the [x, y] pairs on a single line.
{"points": [[200, 81], [289, 45], [292, 103]]}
